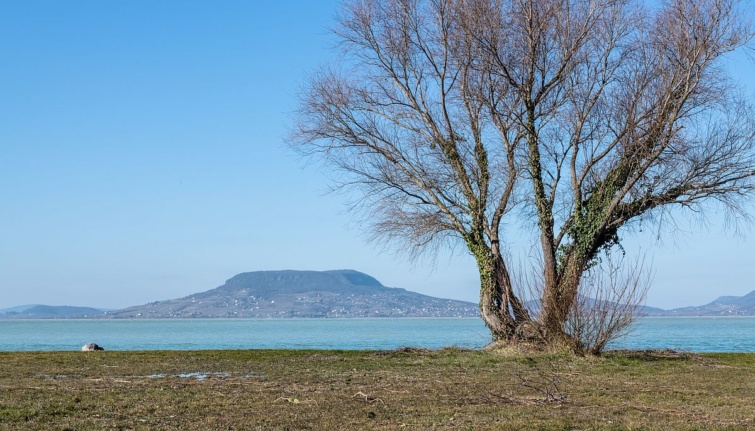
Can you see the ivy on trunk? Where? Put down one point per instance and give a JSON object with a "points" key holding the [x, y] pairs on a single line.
{"points": [[460, 120]]}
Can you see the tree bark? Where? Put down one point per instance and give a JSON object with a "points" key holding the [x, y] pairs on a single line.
{"points": [[502, 311], [557, 301]]}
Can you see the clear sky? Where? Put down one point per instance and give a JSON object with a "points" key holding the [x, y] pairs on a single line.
{"points": [[142, 158]]}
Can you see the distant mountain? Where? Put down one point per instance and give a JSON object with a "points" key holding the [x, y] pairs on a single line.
{"points": [[723, 306], [644, 310], [17, 309], [341, 293], [300, 294], [49, 312]]}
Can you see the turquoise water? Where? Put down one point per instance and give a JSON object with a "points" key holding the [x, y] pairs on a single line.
{"points": [[690, 334], [694, 334], [199, 334]]}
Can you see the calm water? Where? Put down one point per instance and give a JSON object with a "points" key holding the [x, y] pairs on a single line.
{"points": [[690, 334]]}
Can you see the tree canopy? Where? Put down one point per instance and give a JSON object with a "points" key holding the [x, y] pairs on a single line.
{"points": [[453, 117]]}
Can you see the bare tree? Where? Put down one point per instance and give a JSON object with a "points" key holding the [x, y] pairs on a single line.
{"points": [[610, 295], [452, 118]]}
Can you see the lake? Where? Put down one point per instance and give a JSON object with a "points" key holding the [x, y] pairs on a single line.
{"points": [[700, 334]]}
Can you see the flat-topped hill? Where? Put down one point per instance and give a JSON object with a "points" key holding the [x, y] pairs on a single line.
{"points": [[302, 294]]}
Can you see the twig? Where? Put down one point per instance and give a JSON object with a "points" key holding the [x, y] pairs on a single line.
{"points": [[367, 398]]}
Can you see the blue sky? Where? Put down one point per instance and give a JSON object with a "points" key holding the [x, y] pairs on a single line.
{"points": [[142, 158]]}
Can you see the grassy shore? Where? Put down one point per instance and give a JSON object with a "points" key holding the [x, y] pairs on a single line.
{"points": [[405, 389]]}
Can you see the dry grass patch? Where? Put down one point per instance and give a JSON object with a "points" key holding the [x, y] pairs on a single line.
{"points": [[407, 388]]}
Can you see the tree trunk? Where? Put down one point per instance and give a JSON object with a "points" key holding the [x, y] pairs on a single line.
{"points": [[560, 296], [557, 302], [501, 310]]}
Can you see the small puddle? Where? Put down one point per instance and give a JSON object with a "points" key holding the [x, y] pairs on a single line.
{"points": [[56, 377], [202, 376], [199, 375]]}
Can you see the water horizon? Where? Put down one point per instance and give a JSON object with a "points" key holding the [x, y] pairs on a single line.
{"points": [[694, 334]]}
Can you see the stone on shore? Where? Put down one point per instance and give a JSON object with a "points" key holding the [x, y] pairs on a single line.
{"points": [[90, 347]]}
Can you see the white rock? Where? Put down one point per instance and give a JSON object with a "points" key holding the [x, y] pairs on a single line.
{"points": [[90, 347]]}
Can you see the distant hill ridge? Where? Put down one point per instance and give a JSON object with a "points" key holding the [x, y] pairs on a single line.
{"points": [[50, 311], [292, 294], [336, 293], [722, 306], [740, 301]]}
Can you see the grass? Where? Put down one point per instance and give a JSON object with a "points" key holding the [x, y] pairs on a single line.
{"points": [[404, 389]]}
